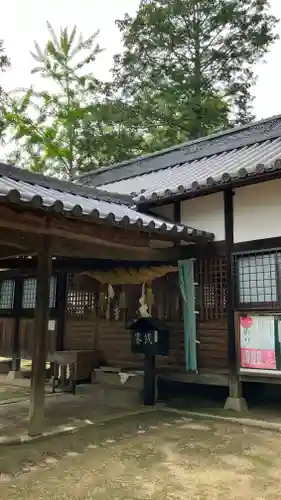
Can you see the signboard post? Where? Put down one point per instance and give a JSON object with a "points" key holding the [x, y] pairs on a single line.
{"points": [[150, 339], [258, 342]]}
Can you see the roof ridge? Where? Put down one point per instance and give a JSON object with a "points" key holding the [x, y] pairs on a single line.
{"points": [[234, 130], [255, 133]]}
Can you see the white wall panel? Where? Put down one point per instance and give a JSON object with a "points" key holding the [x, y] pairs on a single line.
{"points": [[257, 211], [205, 213]]}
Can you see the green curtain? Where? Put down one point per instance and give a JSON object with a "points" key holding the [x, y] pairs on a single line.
{"points": [[187, 288]]}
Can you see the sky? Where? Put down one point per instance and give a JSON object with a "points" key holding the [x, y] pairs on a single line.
{"points": [[23, 21]]}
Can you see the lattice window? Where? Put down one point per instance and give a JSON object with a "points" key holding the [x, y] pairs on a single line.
{"points": [[81, 296], [80, 303], [29, 293], [211, 292], [7, 293], [257, 279]]}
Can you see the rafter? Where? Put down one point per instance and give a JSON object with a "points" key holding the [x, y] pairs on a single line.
{"points": [[87, 261], [7, 251], [75, 230]]}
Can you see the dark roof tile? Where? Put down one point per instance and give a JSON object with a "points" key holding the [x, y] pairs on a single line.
{"points": [[205, 163], [25, 188]]}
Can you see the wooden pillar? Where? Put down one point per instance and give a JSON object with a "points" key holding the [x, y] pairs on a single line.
{"points": [[17, 314], [44, 269], [61, 309], [150, 390], [235, 400]]}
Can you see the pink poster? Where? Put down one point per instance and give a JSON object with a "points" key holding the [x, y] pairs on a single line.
{"points": [[257, 341]]}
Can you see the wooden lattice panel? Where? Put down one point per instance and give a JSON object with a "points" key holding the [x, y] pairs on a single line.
{"points": [[211, 297]]}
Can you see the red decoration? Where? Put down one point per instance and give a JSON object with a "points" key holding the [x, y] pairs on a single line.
{"points": [[246, 321]]}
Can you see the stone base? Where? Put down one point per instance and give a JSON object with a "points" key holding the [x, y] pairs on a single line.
{"points": [[14, 375], [5, 367], [236, 404], [117, 397]]}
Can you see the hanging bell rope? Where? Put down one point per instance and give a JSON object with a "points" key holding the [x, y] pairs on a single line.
{"points": [[131, 276]]}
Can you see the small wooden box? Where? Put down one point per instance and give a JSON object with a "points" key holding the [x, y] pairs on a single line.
{"points": [[83, 361]]}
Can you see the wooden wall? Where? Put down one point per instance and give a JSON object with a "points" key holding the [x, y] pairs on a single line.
{"points": [[7, 326], [112, 340], [103, 326], [26, 333], [93, 322], [210, 274], [212, 350]]}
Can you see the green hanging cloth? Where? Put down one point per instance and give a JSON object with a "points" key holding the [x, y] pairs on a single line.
{"points": [[187, 288]]}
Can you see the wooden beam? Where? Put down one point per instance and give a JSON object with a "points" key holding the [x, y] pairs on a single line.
{"points": [[16, 240], [106, 252], [228, 218], [235, 400], [71, 229], [73, 264], [44, 269], [17, 315], [16, 243], [177, 216], [61, 305], [99, 242], [10, 253], [177, 212], [70, 248]]}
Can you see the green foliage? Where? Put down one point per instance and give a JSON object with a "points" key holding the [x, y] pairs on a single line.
{"points": [[187, 70], [4, 60], [47, 125], [188, 64], [78, 126], [4, 65], [112, 132]]}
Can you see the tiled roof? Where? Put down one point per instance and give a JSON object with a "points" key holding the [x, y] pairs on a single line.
{"points": [[212, 161], [21, 187], [216, 169]]}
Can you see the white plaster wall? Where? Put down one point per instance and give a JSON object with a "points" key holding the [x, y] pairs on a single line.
{"points": [[165, 211], [257, 211], [205, 213]]}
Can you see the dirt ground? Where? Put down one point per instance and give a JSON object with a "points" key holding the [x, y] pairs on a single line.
{"points": [[154, 456], [11, 392]]}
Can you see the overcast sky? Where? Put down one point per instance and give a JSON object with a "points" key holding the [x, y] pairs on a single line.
{"points": [[23, 21]]}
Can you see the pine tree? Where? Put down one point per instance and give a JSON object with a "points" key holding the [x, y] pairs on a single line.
{"points": [[188, 65], [47, 125]]}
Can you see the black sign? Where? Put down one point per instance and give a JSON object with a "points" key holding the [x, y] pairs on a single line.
{"points": [[148, 338]]}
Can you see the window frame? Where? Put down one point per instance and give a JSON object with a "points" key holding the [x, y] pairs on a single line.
{"points": [[29, 312], [258, 306], [8, 311]]}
